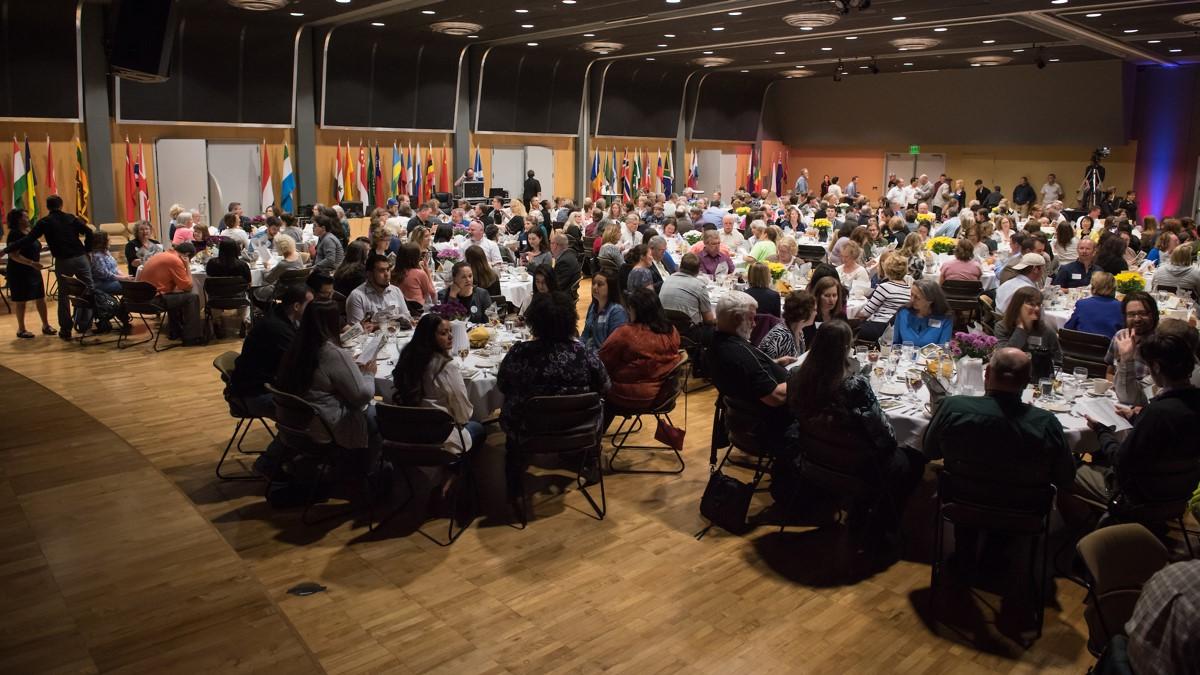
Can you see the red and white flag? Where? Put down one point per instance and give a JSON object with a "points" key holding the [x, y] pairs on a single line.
{"points": [[51, 181], [141, 184], [268, 190]]}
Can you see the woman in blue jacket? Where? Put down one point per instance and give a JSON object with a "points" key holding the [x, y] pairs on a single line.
{"points": [[927, 319], [1101, 313], [606, 314]]}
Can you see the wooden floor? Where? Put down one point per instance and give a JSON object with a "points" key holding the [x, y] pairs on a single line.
{"points": [[121, 551]]}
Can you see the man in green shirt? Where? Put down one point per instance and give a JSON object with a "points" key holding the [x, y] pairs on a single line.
{"points": [[997, 438]]}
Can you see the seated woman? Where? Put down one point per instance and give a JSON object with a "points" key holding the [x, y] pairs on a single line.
{"points": [[759, 278], [485, 276], [231, 228], [289, 259], [1179, 271], [141, 247], [964, 267], [927, 319], [353, 271], [228, 262], [1110, 257], [426, 375], [785, 252], [410, 276], [610, 246], [538, 250], [552, 363], [914, 251], [605, 314], [787, 338], [851, 272], [318, 369], [887, 298], [1101, 313], [830, 298], [638, 355], [638, 268], [463, 290], [105, 275], [544, 280], [670, 232], [1022, 326], [827, 396]]}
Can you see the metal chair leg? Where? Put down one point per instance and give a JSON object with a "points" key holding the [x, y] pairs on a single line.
{"points": [[243, 425], [602, 508], [620, 442]]}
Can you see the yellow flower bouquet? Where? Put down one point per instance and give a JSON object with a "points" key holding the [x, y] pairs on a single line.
{"points": [[1130, 282], [822, 224], [742, 210], [777, 270], [927, 217], [941, 244]]}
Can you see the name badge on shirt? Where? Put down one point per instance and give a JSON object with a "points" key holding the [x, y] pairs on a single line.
{"points": [[1035, 341], [935, 323], [1077, 277]]}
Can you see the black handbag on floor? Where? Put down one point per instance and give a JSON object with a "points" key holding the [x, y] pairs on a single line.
{"points": [[726, 500]]}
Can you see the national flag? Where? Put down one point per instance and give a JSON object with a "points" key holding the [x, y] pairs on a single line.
{"points": [[82, 189], [609, 176], [478, 164], [20, 178], [750, 173], [648, 175], [402, 182], [130, 185], [418, 177], [287, 186], [444, 179], [348, 190], [758, 184], [51, 180], [3, 201], [595, 175], [668, 175], [31, 201], [360, 186], [381, 185], [141, 184], [658, 173], [397, 169], [370, 177], [266, 187], [626, 188], [430, 176], [636, 179], [339, 176], [693, 176]]}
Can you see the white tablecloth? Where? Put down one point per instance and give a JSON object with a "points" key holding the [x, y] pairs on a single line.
{"points": [[199, 275]]}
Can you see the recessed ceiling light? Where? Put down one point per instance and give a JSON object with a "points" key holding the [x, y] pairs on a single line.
{"points": [[1174, 51], [526, 25], [1018, 51], [668, 35], [1153, 42], [780, 53], [1058, 2], [851, 37], [521, 11], [1054, 60], [744, 71], [863, 67], [589, 35], [297, 13], [800, 66], [940, 30], [673, 2], [735, 14], [472, 36], [806, 27], [826, 49], [718, 28], [989, 42], [1094, 15], [706, 52], [428, 11], [1130, 30], [649, 58], [899, 18], [343, 2], [902, 49], [531, 44], [568, 2], [662, 45], [976, 65], [907, 64], [378, 24]]}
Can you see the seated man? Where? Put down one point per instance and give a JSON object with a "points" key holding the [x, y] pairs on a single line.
{"points": [[744, 374], [490, 248], [170, 274], [564, 262], [329, 248], [376, 294], [1141, 319], [712, 259], [264, 347], [684, 292], [1164, 631], [998, 435], [1165, 430], [1029, 272], [1078, 273]]}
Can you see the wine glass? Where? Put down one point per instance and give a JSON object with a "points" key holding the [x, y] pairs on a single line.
{"points": [[463, 354], [913, 380], [860, 355]]}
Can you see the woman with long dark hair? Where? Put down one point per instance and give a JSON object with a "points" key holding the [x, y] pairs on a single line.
{"points": [[427, 375], [1110, 257], [462, 289], [352, 273], [485, 276], [411, 276], [319, 370], [826, 394], [605, 314], [639, 354], [24, 274]]}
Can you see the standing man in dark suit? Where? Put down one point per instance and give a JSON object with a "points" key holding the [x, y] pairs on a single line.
{"points": [[565, 264], [62, 232], [532, 189]]}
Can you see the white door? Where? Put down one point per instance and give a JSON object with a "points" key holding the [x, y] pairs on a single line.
{"points": [[181, 175], [234, 170], [508, 170], [729, 177], [932, 164], [540, 160], [709, 162], [898, 163]]}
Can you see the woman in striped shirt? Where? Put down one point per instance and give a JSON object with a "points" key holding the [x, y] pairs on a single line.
{"points": [[887, 299]]}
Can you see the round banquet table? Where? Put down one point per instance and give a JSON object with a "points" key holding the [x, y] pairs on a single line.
{"points": [[514, 289], [199, 275], [479, 369]]}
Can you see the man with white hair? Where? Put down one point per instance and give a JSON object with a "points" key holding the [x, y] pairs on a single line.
{"points": [[743, 374], [731, 238], [490, 248], [802, 184], [630, 235]]}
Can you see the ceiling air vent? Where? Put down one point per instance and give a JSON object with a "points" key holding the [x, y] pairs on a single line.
{"points": [[811, 20], [459, 28], [712, 61], [990, 60], [1192, 20], [914, 44], [259, 5], [602, 47], [795, 73]]}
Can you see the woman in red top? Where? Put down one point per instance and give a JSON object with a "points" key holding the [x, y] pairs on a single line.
{"points": [[410, 277], [639, 355]]}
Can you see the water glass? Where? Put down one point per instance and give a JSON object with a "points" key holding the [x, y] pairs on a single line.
{"points": [[860, 354], [910, 351], [1046, 388]]}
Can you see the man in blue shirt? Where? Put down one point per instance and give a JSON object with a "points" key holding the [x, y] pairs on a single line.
{"points": [[1078, 273]]}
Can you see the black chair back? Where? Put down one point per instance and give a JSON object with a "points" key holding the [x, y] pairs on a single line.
{"points": [[417, 435], [1012, 498], [1085, 350], [301, 426], [1157, 491], [742, 422], [561, 424], [226, 293], [609, 267], [138, 297], [293, 276], [958, 288], [76, 291], [810, 253], [836, 459]]}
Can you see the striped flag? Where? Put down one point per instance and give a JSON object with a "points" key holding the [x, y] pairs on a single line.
{"points": [[131, 207], [418, 177], [141, 184], [51, 180], [3, 201], [478, 164], [626, 188], [667, 176], [338, 175], [430, 176], [370, 177], [397, 169], [31, 201], [444, 179], [82, 190], [20, 178], [658, 173], [636, 178], [595, 176], [267, 188], [287, 185], [694, 172], [380, 184], [360, 173]]}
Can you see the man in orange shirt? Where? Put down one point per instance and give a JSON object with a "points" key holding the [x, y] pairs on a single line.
{"points": [[169, 273]]}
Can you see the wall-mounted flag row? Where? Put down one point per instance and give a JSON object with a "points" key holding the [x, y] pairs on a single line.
{"points": [[418, 172], [24, 183], [630, 176]]}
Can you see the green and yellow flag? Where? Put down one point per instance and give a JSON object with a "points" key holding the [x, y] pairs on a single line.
{"points": [[82, 191]]}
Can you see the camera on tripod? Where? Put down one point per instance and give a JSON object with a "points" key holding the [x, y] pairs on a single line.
{"points": [[1100, 153]]}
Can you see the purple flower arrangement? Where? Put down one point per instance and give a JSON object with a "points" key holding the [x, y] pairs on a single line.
{"points": [[462, 230], [449, 253], [972, 345], [451, 310]]}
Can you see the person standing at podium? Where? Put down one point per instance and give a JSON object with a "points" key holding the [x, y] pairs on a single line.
{"points": [[469, 174]]}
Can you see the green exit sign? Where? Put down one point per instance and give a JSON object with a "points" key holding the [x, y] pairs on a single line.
{"points": [[914, 149]]}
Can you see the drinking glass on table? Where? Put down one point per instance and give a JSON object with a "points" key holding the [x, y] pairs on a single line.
{"points": [[909, 351], [860, 355], [1046, 388], [1080, 376], [912, 378]]}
